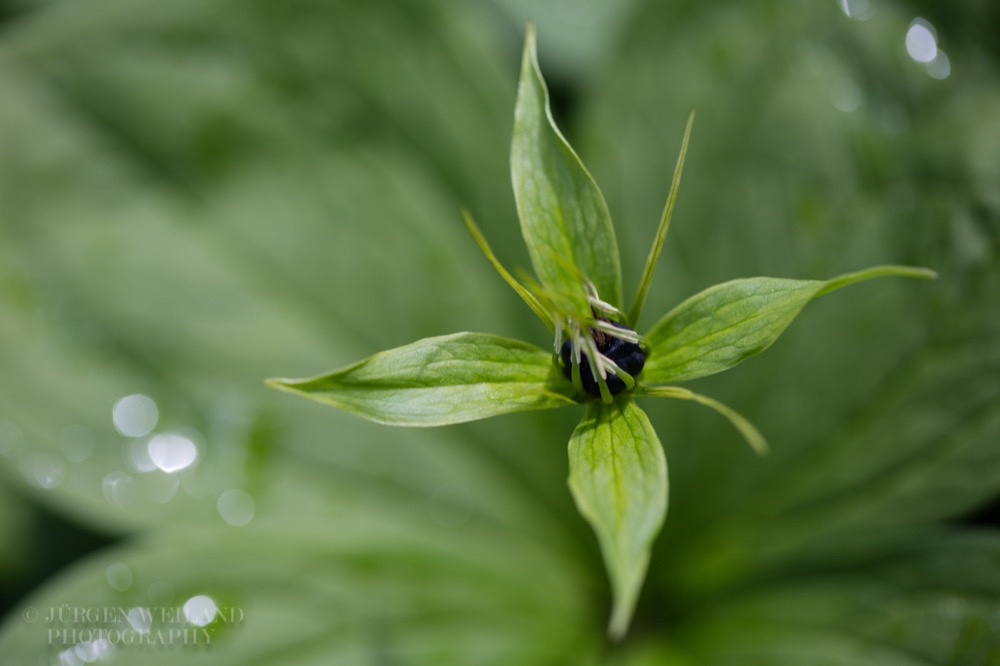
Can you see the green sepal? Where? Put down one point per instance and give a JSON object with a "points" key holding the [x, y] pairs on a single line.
{"points": [[529, 299], [738, 421], [661, 231]]}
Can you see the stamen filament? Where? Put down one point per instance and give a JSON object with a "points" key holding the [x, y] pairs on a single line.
{"points": [[595, 300], [607, 328], [592, 339]]}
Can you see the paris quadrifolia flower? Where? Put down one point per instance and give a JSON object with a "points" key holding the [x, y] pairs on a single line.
{"points": [[618, 471]]}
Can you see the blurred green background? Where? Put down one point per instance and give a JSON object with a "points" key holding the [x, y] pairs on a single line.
{"points": [[199, 194]]}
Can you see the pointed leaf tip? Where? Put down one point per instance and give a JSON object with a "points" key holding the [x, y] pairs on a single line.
{"points": [[661, 232], [618, 477], [440, 381], [564, 218], [721, 326]]}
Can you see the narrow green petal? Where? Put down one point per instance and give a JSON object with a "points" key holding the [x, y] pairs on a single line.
{"points": [[661, 231], [564, 218], [846, 279], [718, 328], [618, 477], [439, 381], [745, 428], [521, 290]]}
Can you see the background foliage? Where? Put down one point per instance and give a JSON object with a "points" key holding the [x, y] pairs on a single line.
{"points": [[198, 194]]}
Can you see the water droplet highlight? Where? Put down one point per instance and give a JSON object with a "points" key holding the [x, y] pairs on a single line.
{"points": [[119, 488], [921, 41], [141, 619], [940, 67], [855, 9], [135, 415], [172, 453], [846, 96], [87, 652], [48, 471], [119, 576], [200, 610], [236, 507], [138, 455]]}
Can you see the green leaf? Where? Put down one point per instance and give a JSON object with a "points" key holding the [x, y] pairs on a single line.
{"points": [[564, 218], [364, 588], [721, 326], [618, 476], [933, 602], [438, 381], [920, 449], [661, 232], [100, 171]]}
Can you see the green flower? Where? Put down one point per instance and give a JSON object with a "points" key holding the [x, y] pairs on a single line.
{"points": [[618, 471]]}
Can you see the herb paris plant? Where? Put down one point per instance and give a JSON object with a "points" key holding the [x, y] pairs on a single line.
{"points": [[618, 471]]}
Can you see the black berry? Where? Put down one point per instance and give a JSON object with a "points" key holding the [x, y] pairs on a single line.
{"points": [[628, 355]]}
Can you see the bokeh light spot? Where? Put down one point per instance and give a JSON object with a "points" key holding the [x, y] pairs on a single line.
{"points": [[846, 96], [135, 415], [940, 67], [921, 41], [200, 610], [236, 507], [141, 619], [119, 488], [859, 10], [119, 576], [48, 471], [172, 453]]}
